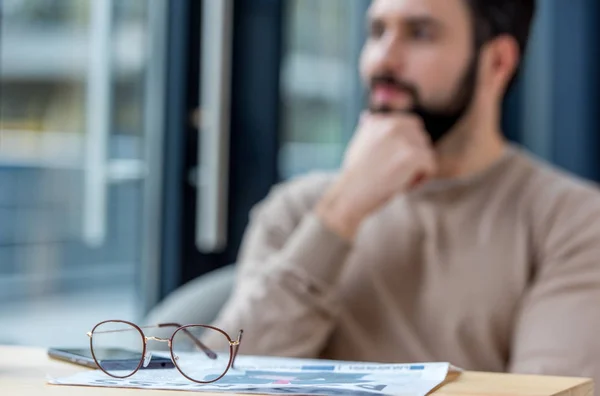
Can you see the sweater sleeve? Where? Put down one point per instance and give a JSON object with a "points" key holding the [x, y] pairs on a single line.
{"points": [[557, 330], [284, 296]]}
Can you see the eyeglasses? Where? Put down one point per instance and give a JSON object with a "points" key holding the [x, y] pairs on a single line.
{"points": [[120, 349]]}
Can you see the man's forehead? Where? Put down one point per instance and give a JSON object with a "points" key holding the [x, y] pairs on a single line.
{"points": [[442, 10]]}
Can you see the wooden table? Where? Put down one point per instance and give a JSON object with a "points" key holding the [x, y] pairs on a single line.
{"points": [[23, 372]]}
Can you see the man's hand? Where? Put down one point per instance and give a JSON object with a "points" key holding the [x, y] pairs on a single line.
{"points": [[389, 155]]}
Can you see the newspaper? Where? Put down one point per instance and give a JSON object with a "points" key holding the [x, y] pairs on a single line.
{"points": [[277, 376]]}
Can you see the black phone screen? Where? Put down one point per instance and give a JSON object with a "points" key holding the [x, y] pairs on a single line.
{"points": [[106, 353], [109, 356]]}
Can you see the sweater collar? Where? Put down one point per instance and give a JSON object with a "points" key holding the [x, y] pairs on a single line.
{"points": [[439, 187]]}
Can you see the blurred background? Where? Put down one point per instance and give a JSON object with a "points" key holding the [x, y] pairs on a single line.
{"points": [[115, 188]]}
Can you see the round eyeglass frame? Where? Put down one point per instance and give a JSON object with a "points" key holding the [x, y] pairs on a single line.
{"points": [[233, 346]]}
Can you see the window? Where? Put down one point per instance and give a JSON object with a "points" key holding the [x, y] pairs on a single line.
{"points": [[321, 92], [73, 138]]}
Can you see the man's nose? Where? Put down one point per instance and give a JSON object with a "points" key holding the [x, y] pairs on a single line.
{"points": [[390, 54]]}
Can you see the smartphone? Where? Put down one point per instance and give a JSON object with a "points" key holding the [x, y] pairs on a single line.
{"points": [[109, 358]]}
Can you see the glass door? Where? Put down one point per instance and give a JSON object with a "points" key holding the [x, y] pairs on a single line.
{"points": [[295, 99], [77, 119]]}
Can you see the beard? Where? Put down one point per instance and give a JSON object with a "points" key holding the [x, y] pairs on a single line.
{"points": [[438, 120]]}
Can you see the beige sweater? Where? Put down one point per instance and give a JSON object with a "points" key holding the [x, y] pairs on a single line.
{"points": [[497, 272]]}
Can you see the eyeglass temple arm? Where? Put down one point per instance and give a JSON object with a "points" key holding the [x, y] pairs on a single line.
{"points": [[212, 355], [237, 347]]}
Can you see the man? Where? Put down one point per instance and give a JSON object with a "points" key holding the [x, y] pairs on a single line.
{"points": [[436, 241]]}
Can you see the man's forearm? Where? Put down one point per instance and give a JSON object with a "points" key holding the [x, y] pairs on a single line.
{"points": [[287, 308]]}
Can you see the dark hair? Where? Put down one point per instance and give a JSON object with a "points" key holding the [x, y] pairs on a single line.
{"points": [[492, 18]]}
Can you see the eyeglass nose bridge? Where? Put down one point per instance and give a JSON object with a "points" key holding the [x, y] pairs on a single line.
{"points": [[152, 338]]}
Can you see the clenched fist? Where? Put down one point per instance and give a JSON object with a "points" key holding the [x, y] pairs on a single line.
{"points": [[389, 155]]}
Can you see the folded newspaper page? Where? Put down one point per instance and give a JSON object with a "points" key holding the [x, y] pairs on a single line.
{"points": [[279, 376]]}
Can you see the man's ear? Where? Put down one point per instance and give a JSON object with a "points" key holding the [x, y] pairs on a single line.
{"points": [[503, 61]]}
